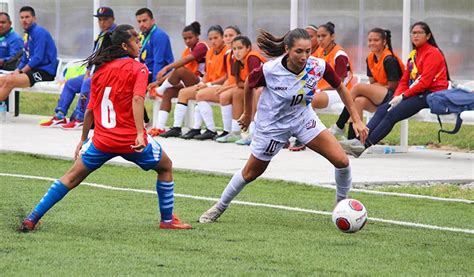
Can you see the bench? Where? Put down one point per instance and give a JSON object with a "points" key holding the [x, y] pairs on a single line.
{"points": [[54, 87]]}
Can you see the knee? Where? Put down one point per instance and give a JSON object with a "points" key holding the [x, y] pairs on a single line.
{"points": [[250, 174], [341, 162], [165, 166]]}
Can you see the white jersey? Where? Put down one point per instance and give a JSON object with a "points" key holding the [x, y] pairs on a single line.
{"points": [[287, 96]]}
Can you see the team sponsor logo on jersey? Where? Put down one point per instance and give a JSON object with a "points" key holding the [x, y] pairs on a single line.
{"points": [[280, 88], [311, 83]]}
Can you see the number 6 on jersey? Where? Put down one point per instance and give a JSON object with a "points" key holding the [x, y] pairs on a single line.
{"points": [[107, 113]]}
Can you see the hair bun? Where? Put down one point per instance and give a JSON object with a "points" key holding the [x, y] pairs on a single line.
{"points": [[331, 24]]}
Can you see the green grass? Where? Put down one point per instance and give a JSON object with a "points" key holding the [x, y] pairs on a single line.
{"points": [[102, 232], [420, 133]]}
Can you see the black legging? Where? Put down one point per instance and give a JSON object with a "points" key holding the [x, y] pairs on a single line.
{"points": [[383, 121]]}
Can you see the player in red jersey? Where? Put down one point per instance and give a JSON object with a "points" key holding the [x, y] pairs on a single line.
{"points": [[116, 107]]}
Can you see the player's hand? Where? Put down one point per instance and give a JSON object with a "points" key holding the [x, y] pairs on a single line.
{"points": [[244, 121], [360, 131], [139, 144], [77, 152], [395, 101], [152, 86]]}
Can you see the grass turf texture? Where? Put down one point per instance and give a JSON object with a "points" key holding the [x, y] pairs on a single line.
{"points": [[420, 133], [103, 232]]}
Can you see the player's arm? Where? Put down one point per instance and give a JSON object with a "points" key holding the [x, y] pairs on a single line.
{"points": [[86, 127], [333, 79]]}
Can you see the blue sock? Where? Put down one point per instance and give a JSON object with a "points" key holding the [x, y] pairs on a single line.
{"points": [[55, 193], [165, 199]]}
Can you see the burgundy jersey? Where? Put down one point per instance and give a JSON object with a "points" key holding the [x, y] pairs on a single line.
{"points": [[112, 89]]}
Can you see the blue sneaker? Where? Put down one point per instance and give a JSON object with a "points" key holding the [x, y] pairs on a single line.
{"points": [[244, 141]]}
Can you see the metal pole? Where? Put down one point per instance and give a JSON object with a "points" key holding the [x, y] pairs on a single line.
{"points": [[405, 51], [361, 39], [96, 29], [250, 19], [190, 11], [294, 14]]}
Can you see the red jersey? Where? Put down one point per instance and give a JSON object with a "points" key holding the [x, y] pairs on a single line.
{"points": [[112, 89]]}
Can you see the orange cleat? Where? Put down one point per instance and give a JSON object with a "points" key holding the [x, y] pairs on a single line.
{"points": [[154, 132], [26, 226], [175, 224]]}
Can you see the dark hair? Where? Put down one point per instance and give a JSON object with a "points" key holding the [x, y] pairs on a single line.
{"points": [[28, 9], [7, 15], [235, 28], [385, 35], [238, 65], [431, 41], [194, 27], [111, 47], [216, 28], [330, 27], [275, 46], [144, 10]]}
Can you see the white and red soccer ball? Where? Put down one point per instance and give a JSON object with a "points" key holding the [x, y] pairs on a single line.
{"points": [[349, 215]]}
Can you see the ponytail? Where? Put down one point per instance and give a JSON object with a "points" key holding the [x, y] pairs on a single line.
{"points": [[275, 46], [111, 46], [194, 27]]}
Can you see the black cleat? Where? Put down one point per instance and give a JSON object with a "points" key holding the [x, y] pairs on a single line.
{"points": [[208, 134], [174, 132], [191, 134]]}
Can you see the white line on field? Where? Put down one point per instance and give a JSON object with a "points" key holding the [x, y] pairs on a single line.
{"points": [[253, 204]]}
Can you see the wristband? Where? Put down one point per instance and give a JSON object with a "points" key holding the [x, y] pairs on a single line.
{"points": [[209, 84]]}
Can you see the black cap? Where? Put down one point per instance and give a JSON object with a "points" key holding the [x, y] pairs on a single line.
{"points": [[104, 12]]}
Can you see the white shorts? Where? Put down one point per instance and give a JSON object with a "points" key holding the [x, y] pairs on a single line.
{"points": [[265, 145]]}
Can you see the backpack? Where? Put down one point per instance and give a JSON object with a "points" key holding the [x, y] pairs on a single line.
{"points": [[450, 101]]}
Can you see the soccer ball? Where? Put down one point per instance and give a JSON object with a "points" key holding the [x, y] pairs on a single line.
{"points": [[349, 215]]}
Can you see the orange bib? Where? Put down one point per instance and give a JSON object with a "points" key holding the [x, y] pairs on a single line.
{"points": [[330, 58], [378, 70], [215, 64], [244, 72], [193, 66]]}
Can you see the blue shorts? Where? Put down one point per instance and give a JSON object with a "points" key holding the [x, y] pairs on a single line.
{"points": [[148, 159]]}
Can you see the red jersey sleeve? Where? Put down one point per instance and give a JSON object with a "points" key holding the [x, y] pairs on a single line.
{"points": [[341, 66], [256, 78], [331, 77], [141, 82], [199, 51], [253, 63]]}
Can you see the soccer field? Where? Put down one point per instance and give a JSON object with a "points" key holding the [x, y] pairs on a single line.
{"points": [[112, 229]]}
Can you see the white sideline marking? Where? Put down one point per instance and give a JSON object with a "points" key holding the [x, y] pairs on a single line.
{"points": [[252, 204]]}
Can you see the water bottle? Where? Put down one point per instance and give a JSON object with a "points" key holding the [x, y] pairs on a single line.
{"points": [[3, 112], [382, 149]]}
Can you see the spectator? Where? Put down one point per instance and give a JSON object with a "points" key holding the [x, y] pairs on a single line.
{"points": [[184, 72], [384, 69], [156, 50], [11, 44], [39, 61], [80, 84], [426, 72]]}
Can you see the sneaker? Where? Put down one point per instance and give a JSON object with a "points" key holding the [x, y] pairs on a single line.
{"points": [[231, 137], [336, 131], [175, 223], [73, 125], [208, 134], [352, 147], [154, 132], [191, 134], [298, 146], [174, 132], [244, 141], [211, 215], [26, 226], [223, 134], [53, 122]]}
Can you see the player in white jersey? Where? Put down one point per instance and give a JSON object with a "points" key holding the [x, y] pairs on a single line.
{"points": [[284, 110]]}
